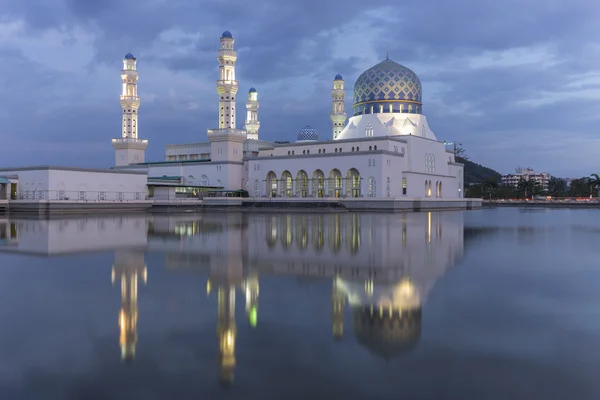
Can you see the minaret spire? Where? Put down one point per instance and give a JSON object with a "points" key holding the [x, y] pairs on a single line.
{"points": [[252, 123], [129, 149], [338, 115]]}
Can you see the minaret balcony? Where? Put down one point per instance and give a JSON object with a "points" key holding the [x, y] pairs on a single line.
{"points": [[129, 140], [130, 98]]}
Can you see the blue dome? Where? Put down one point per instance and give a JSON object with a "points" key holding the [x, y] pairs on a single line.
{"points": [[338, 77], [387, 84], [307, 134], [252, 90], [226, 34], [129, 56]]}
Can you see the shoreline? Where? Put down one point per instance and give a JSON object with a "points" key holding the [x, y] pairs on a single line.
{"points": [[56, 207]]}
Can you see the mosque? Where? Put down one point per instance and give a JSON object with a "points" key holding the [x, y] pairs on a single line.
{"points": [[386, 149]]}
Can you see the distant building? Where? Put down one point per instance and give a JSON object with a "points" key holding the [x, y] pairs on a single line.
{"points": [[527, 174]]}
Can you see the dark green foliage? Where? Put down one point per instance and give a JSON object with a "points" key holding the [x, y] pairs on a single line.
{"points": [[477, 173]]}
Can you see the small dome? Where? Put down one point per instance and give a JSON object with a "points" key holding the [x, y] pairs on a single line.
{"points": [[227, 34], [252, 90], [129, 56], [338, 77], [307, 134]]}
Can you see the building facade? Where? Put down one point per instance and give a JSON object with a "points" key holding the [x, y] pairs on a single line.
{"points": [[527, 174], [385, 150]]}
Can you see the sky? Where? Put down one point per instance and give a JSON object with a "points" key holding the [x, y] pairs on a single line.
{"points": [[517, 82]]}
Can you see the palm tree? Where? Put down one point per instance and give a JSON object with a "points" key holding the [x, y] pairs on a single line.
{"points": [[595, 183], [526, 186]]}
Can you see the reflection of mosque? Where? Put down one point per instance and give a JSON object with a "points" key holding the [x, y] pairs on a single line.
{"points": [[381, 266]]}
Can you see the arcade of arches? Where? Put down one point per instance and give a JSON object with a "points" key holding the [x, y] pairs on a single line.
{"points": [[334, 184]]}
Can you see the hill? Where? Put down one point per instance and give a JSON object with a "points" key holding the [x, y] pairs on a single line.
{"points": [[476, 172]]}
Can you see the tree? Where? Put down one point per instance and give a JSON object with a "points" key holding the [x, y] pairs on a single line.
{"points": [[460, 151], [557, 187], [595, 183], [580, 188], [528, 186]]}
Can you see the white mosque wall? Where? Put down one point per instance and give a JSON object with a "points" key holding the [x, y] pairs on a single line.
{"points": [[63, 183], [77, 235], [218, 174], [386, 167], [189, 151]]}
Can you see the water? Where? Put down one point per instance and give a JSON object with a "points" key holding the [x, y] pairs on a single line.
{"points": [[494, 304]]}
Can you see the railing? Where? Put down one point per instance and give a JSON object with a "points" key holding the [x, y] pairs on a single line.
{"points": [[129, 140], [81, 195]]}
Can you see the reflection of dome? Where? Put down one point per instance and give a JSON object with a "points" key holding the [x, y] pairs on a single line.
{"points": [[307, 134], [387, 335], [387, 83], [338, 77], [227, 34], [129, 56]]}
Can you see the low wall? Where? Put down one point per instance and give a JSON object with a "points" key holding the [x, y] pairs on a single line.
{"points": [[360, 204], [77, 207]]}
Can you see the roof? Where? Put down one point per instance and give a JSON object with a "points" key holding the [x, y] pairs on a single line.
{"points": [[77, 169], [3, 180]]}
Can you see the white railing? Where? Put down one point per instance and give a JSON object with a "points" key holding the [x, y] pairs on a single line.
{"points": [[81, 195], [129, 140]]}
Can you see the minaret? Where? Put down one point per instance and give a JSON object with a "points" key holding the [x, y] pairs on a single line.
{"points": [[129, 149], [128, 267], [252, 123], [227, 142], [227, 85], [338, 115]]}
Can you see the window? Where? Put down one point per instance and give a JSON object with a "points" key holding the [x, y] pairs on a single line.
{"points": [[369, 130], [120, 196], [404, 186], [372, 188]]}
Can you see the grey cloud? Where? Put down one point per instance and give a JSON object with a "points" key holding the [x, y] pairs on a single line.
{"points": [[287, 45]]}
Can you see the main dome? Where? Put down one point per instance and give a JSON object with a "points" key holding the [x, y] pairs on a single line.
{"points": [[387, 87]]}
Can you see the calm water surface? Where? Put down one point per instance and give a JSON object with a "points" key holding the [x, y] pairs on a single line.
{"points": [[490, 304]]}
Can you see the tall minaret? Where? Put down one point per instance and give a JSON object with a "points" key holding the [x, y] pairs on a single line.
{"points": [[338, 115], [252, 123], [129, 149], [129, 266], [227, 85], [227, 142]]}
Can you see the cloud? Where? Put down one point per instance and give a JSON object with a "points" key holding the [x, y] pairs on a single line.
{"points": [[504, 75]]}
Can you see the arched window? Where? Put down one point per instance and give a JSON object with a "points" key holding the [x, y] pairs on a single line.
{"points": [[370, 148], [375, 148]]}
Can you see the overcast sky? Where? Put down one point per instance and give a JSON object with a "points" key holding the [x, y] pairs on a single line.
{"points": [[517, 82]]}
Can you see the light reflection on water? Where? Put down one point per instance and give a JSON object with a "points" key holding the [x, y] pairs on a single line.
{"points": [[366, 305]]}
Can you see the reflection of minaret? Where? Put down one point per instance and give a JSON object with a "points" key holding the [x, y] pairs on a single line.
{"points": [[338, 302], [128, 267], [226, 332], [226, 273], [251, 286]]}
